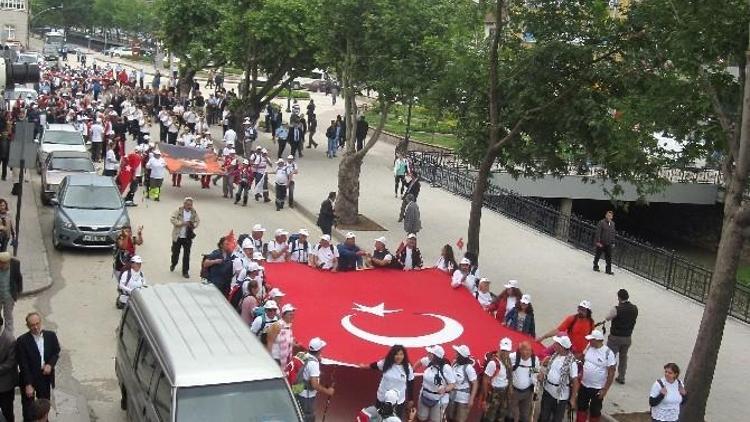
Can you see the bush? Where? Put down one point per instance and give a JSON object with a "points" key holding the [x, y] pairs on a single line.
{"points": [[296, 94]]}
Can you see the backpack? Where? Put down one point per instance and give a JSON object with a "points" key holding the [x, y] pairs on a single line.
{"points": [[293, 238], [517, 363], [294, 370], [235, 296], [661, 384]]}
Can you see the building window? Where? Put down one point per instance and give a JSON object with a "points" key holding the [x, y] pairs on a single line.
{"points": [[13, 4], [9, 32]]}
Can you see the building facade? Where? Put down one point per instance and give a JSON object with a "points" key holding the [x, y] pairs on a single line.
{"points": [[14, 20]]}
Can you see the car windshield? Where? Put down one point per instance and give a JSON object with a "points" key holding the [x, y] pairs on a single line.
{"points": [[26, 58], [92, 198], [13, 95], [257, 401], [63, 137], [81, 164]]}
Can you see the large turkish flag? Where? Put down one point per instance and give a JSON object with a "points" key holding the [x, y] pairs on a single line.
{"points": [[360, 314]]}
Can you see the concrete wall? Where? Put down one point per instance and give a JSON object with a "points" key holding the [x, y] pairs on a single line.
{"points": [[16, 18]]}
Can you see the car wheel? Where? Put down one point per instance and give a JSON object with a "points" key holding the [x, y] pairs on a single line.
{"points": [[44, 197], [55, 241], [38, 166]]}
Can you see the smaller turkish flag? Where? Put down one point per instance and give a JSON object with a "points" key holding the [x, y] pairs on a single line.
{"points": [[231, 239], [460, 243]]}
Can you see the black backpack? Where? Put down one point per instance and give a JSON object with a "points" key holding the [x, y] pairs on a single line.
{"points": [[517, 363]]}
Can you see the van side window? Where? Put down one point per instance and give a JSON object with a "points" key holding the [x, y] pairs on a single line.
{"points": [[130, 334], [146, 366], [163, 398]]}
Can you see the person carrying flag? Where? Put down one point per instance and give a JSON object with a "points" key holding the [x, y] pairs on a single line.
{"points": [[311, 377]]}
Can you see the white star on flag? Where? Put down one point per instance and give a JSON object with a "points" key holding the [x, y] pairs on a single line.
{"points": [[378, 310]]}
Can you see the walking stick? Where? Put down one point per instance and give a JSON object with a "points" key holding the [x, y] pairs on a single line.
{"points": [[328, 400]]}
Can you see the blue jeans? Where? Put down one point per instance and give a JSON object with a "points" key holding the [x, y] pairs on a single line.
{"points": [[332, 145], [307, 406]]}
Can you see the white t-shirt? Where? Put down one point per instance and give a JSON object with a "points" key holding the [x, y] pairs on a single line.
{"points": [[554, 372], [497, 380], [595, 366], [277, 247], [523, 376], [186, 215], [325, 255], [485, 299], [465, 375], [394, 379], [444, 266], [312, 370], [282, 177], [158, 167], [230, 136], [300, 251], [127, 286], [110, 160], [458, 280], [97, 133], [668, 409], [429, 388]]}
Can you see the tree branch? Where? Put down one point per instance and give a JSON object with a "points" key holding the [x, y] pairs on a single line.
{"points": [[384, 107]]}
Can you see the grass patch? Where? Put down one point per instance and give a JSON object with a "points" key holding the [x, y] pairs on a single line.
{"points": [[296, 94], [743, 275], [425, 126]]}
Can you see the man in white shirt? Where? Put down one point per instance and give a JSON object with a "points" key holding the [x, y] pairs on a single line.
{"points": [[97, 140], [598, 374], [525, 367], [278, 249], [282, 179], [560, 381], [292, 170], [230, 137], [243, 261], [158, 168], [110, 162], [324, 256], [495, 385], [462, 276], [311, 378], [300, 248]]}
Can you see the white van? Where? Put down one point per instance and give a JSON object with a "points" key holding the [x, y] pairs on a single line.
{"points": [[184, 355]]}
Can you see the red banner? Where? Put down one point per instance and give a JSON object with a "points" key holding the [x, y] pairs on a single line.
{"points": [[189, 160], [360, 314]]}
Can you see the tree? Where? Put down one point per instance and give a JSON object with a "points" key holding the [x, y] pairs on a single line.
{"points": [[536, 107], [694, 86], [385, 46], [73, 13]]}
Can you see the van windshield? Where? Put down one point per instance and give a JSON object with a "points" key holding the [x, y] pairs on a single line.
{"points": [[256, 401]]}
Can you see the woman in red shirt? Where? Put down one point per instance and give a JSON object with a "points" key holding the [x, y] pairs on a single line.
{"points": [[576, 326]]}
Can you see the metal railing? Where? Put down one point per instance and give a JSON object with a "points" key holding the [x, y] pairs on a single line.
{"points": [[663, 267]]}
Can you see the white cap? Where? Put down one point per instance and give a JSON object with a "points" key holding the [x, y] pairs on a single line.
{"points": [[506, 344], [595, 335], [436, 350], [264, 151], [464, 261], [411, 236], [247, 244], [276, 292], [288, 308], [245, 161], [585, 304], [511, 284], [258, 256], [316, 344], [526, 299], [136, 259], [253, 267], [304, 232], [350, 235], [382, 240], [462, 350], [271, 304], [280, 161], [247, 120], [391, 396], [258, 228], [563, 341], [290, 157], [278, 232], [484, 280], [326, 237]]}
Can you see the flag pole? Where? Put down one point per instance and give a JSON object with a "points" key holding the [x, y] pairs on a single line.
{"points": [[328, 401]]}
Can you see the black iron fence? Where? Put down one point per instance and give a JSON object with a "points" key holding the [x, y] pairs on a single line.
{"points": [[663, 267]]}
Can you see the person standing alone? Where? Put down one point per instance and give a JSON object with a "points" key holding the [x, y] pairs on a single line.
{"points": [[605, 241], [184, 222], [326, 215], [37, 352], [623, 317]]}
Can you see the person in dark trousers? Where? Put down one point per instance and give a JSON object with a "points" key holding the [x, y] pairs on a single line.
{"points": [[413, 189], [4, 145], [218, 265], [623, 318], [184, 222], [37, 352], [362, 128], [326, 215], [11, 286], [605, 241], [8, 372]]}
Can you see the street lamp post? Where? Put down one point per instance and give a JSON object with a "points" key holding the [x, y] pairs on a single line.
{"points": [[31, 19]]}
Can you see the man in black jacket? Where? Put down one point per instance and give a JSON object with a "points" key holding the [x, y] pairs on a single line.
{"points": [[362, 128], [37, 352], [604, 240], [412, 188], [8, 373], [623, 317], [11, 285], [326, 215]]}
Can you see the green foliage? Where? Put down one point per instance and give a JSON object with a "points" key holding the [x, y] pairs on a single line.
{"points": [[426, 126], [296, 94], [188, 29]]}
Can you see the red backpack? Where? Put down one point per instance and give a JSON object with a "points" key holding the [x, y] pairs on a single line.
{"points": [[293, 372]]}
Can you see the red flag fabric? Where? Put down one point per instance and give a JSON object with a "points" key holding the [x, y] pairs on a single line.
{"points": [[231, 239], [360, 314], [460, 243]]}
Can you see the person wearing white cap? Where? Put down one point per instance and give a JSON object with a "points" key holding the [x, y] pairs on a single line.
{"points": [[260, 324], [521, 318], [300, 247], [409, 255], [484, 296], [278, 249], [256, 235], [467, 386], [324, 255], [243, 175], [249, 133], [576, 327], [462, 277], [280, 340], [388, 412], [381, 257], [398, 376], [598, 374], [260, 162], [507, 300], [311, 378], [130, 280], [438, 380], [184, 222], [350, 255], [496, 392], [158, 167], [560, 381], [525, 368], [243, 261], [292, 171], [281, 181]]}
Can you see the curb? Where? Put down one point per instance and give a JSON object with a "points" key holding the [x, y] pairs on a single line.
{"points": [[608, 418], [45, 260]]}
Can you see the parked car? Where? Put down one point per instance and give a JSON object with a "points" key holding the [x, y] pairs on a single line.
{"points": [[58, 137], [122, 52], [60, 164], [30, 57], [314, 81], [25, 93], [174, 366], [89, 212]]}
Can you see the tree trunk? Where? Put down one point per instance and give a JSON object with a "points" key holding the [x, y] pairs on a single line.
{"points": [[185, 84], [700, 372], [403, 145], [477, 201], [347, 200]]}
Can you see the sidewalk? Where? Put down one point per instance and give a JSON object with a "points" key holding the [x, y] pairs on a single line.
{"points": [[556, 276]]}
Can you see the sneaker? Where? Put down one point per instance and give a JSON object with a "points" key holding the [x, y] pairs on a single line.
{"points": [[186, 275], [171, 268], [596, 268], [620, 380], [610, 273]]}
